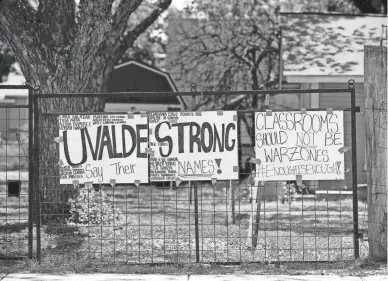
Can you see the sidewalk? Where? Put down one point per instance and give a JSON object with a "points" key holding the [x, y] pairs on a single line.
{"points": [[122, 277]]}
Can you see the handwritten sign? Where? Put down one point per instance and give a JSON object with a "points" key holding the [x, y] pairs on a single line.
{"points": [[191, 147], [296, 143], [98, 148]]}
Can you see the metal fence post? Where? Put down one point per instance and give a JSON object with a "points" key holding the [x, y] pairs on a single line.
{"points": [[30, 172], [195, 187], [37, 178], [354, 168]]}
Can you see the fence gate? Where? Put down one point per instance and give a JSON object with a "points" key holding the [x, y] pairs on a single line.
{"points": [[190, 222], [15, 181]]}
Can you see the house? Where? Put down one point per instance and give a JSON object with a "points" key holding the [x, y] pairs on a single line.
{"points": [[325, 51], [130, 76], [13, 118], [133, 76]]}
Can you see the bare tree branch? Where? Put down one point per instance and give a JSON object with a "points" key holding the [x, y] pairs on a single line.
{"points": [[162, 5], [239, 99], [215, 52], [133, 34], [123, 12]]}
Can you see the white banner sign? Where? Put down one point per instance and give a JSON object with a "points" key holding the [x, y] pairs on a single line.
{"points": [[101, 148], [297, 143], [193, 148]]}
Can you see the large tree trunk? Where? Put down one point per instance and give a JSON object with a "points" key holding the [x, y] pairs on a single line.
{"points": [[77, 77], [63, 47], [54, 197]]}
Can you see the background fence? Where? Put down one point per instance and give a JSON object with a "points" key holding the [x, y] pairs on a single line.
{"points": [[15, 192], [195, 222]]}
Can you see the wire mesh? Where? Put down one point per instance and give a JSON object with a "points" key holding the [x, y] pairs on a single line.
{"points": [[14, 181], [195, 222]]}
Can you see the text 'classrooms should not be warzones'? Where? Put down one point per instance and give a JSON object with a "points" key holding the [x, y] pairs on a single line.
{"points": [[190, 146], [299, 143]]}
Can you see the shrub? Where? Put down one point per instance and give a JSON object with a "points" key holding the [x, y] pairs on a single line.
{"points": [[290, 189], [93, 207]]}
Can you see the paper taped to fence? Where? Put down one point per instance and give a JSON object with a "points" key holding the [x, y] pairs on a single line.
{"points": [[294, 143], [193, 147], [100, 148]]}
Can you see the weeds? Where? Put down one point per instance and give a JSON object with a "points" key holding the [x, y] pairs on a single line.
{"points": [[363, 267]]}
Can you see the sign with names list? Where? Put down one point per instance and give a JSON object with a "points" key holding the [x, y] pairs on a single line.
{"points": [[193, 146], [101, 148]]}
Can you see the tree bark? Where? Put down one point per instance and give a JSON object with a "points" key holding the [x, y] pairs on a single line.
{"points": [[53, 196], [88, 77]]}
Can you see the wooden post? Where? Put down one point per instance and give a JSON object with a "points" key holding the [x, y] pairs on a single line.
{"points": [[189, 193], [231, 218], [259, 197], [252, 236], [375, 77], [250, 227]]}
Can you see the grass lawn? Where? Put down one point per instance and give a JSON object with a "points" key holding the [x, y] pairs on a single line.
{"points": [[363, 267], [159, 227]]}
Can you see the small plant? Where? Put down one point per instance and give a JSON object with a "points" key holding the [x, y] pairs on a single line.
{"points": [[290, 189], [93, 207]]}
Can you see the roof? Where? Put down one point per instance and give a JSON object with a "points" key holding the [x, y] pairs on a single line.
{"points": [[152, 69], [143, 78], [328, 44]]}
